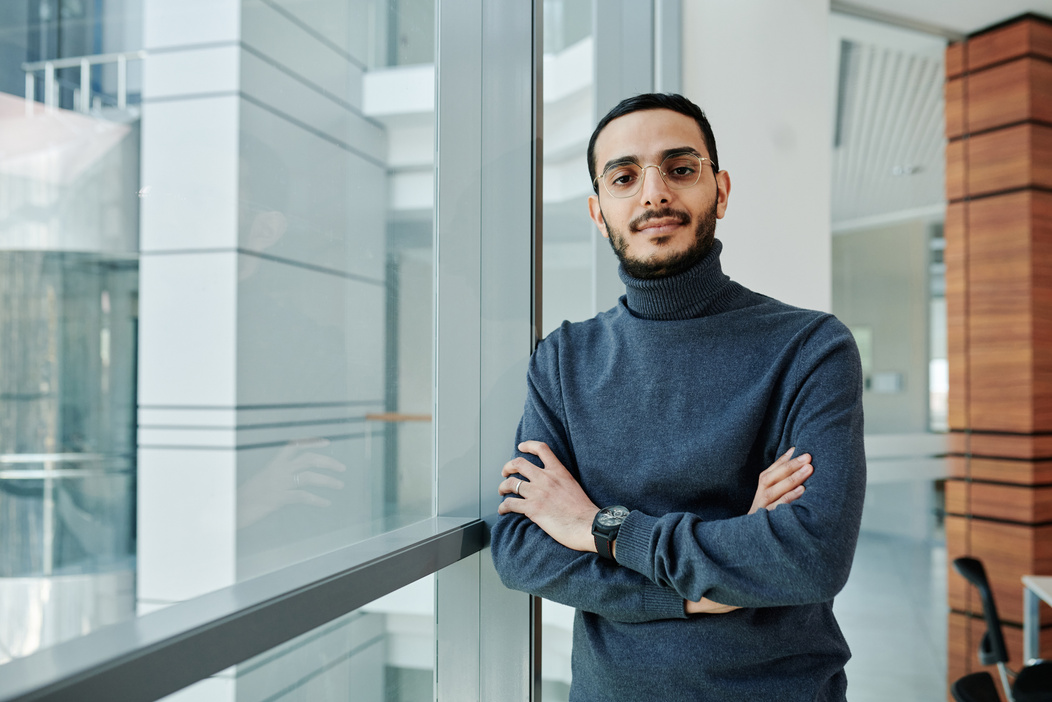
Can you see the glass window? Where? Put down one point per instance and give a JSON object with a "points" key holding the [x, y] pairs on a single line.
{"points": [[383, 652], [216, 329]]}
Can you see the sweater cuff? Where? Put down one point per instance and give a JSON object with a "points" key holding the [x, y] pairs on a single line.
{"points": [[633, 551], [633, 542]]}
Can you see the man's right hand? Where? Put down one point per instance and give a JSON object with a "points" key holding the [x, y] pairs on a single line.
{"points": [[780, 484]]}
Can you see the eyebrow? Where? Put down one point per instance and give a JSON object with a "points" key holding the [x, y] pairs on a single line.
{"points": [[622, 160]]}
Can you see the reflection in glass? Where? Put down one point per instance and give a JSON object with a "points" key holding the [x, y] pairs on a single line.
{"points": [[67, 451], [383, 652], [568, 258], [334, 297]]}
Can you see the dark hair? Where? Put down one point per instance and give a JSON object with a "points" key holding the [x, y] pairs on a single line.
{"points": [[653, 101]]}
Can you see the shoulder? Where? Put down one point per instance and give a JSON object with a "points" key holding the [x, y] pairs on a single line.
{"points": [[570, 335], [780, 317]]}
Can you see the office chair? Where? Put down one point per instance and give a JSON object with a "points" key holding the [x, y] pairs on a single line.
{"points": [[1033, 683], [976, 687]]}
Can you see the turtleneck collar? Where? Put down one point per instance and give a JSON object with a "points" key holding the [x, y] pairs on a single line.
{"points": [[700, 291]]}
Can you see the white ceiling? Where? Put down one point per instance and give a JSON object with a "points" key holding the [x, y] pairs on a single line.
{"points": [[963, 16], [889, 153]]}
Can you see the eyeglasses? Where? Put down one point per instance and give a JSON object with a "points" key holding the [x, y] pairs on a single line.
{"points": [[679, 171]]}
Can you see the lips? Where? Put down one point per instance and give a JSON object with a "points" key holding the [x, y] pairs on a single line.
{"points": [[660, 218]]}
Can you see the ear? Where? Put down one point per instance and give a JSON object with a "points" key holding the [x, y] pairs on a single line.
{"points": [[723, 183], [597, 215]]}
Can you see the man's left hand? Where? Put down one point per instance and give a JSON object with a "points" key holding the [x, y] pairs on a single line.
{"points": [[550, 497]]}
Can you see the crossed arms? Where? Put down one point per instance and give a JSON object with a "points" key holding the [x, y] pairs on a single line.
{"points": [[789, 548], [552, 499]]}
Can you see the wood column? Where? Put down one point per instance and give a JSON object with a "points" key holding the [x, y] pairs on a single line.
{"points": [[999, 308]]}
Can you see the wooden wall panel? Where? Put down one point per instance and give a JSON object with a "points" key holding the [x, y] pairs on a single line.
{"points": [[1008, 552], [999, 323], [1009, 42], [956, 187], [956, 493], [1008, 159], [954, 60], [955, 257], [1011, 471], [963, 636], [1000, 356], [1025, 504], [960, 647], [1041, 300], [999, 96], [953, 94], [1018, 503]]}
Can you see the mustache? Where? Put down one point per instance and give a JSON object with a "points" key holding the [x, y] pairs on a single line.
{"points": [[663, 213]]}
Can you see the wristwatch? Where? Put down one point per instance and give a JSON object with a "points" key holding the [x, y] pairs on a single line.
{"points": [[605, 527]]}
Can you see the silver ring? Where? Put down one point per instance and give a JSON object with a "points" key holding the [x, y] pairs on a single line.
{"points": [[517, 488]]}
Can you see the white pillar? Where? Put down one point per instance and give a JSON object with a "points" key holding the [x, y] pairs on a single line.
{"points": [[760, 70]]}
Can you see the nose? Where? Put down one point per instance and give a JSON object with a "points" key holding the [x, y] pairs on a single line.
{"points": [[653, 190]]}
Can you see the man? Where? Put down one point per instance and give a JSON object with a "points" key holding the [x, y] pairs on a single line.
{"points": [[665, 411]]}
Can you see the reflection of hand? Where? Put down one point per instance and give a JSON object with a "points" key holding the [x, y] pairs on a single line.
{"points": [[284, 481]]}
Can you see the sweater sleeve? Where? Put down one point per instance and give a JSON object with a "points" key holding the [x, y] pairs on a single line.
{"points": [[795, 554], [528, 559]]}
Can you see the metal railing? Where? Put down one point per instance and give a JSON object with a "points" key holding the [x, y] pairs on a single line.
{"points": [[156, 654], [82, 98]]}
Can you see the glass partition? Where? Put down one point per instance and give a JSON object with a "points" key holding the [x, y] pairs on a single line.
{"points": [[217, 280], [383, 652]]}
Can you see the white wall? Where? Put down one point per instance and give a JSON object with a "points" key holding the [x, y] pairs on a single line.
{"points": [[760, 70]]}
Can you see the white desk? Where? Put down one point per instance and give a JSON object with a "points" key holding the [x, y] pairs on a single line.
{"points": [[1036, 589]]}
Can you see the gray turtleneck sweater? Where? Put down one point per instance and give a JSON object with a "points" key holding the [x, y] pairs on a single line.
{"points": [[671, 404]]}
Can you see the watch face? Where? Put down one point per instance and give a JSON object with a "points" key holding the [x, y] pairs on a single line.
{"points": [[612, 516]]}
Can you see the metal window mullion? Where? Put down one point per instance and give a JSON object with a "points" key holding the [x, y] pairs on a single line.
{"points": [[458, 300], [512, 99]]}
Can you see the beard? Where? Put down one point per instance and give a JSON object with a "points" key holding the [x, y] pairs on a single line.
{"points": [[656, 265]]}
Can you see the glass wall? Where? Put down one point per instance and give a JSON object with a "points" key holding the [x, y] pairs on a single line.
{"points": [[229, 338], [69, 311], [216, 255]]}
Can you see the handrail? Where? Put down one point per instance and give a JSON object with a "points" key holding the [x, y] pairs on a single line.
{"points": [[85, 62], [159, 653]]}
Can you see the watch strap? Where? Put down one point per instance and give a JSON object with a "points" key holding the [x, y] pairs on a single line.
{"points": [[604, 544]]}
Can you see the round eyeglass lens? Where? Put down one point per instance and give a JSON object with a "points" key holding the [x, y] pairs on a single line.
{"points": [[678, 170]]}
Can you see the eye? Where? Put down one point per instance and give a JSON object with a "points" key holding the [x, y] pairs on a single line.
{"points": [[621, 177], [681, 168]]}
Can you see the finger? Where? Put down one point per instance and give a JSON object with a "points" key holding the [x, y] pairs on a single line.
{"points": [[310, 479], [783, 487], [317, 460], [779, 462], [303, 497], [791, 496], [508, 487], [512, 505], [518, 465], [780, 469], [541, 451], [312, 442]]}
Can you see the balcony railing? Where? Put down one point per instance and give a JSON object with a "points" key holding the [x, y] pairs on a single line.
{"points": [[82, 94]]}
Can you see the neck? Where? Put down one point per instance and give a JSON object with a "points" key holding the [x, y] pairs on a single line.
{"points": [[696, 292]]}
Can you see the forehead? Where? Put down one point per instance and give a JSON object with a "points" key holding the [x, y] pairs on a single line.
{"points": [[646, 134]]}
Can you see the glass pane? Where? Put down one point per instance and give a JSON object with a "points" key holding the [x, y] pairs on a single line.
{"points": [[383, 652], [216, 285], [568, 121], [569, 234]]}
